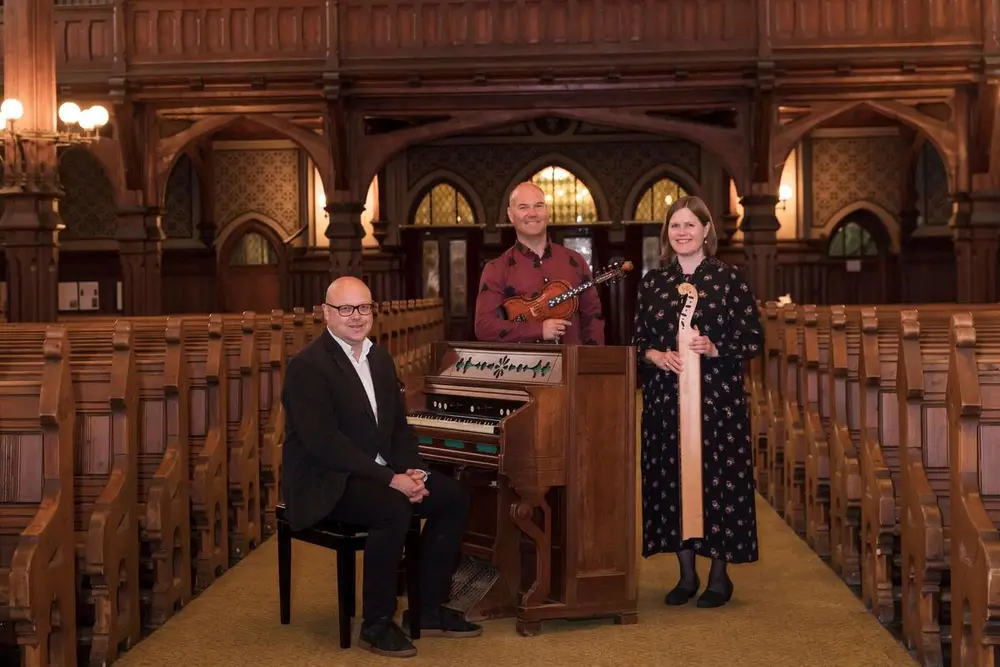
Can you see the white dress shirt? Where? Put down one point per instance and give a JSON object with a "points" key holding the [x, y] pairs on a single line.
{"points": [[364, 371]]}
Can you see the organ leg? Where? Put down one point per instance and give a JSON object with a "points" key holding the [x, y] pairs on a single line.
{"points": [[523, 515]]}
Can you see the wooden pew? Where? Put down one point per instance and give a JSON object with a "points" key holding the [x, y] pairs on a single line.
{"points": [[973, 408], [788, 464], [242, 415], [772, 397], [775, 440], [816, 420], [102, 368], [924, 489], [37, 546], [272, 353], [164, 495], [881, 454], [842, 442], [207, 370]]}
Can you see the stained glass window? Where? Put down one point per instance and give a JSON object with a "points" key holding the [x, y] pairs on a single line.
{"points": [[444, 205], [657, 199], [253, 250], [569, 200], [852, 240]]}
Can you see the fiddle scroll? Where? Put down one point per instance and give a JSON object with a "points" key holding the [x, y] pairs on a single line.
{"points": [[558, 300]]}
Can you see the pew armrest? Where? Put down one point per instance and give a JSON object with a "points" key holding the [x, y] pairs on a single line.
{"points": [[109, 510], [39, 544], [921, 515]]}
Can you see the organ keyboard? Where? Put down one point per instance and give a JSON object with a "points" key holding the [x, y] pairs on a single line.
{"points": [[544, 438]]}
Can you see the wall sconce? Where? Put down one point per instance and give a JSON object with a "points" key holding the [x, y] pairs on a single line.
{"points": [[20, 170], [784, 194], [90, 121]]}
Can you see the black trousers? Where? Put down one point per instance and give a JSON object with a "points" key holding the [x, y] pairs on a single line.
{"points": [[386, 513]]}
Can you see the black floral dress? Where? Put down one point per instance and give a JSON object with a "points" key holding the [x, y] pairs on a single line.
{"points": [[726, 313]]}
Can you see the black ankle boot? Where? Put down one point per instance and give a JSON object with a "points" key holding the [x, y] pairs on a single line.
{"points": [[680, 594], [712, 598]]}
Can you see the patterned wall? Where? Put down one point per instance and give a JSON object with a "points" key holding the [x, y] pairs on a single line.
{"points": [[257, 181], [489, 167], [845, 170], [88, 207]]}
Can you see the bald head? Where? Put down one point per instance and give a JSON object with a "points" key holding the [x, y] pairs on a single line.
{"points": [[347, 288], [524, 190], [346, 297]]}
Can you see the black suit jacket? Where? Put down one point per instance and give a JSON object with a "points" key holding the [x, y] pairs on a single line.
{"points": [[331, 432]]}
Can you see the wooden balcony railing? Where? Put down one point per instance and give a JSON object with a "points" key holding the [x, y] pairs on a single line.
{"points": [[145, 37]]}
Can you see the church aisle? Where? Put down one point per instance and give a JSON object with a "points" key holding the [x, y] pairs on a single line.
{"points": [[789, 609]]}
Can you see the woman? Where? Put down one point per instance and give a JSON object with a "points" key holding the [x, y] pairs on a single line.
{"points": [[727, 331]]}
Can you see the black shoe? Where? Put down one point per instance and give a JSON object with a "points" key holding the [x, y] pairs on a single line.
{"points": [[384, 637], [443, 622], [680, 595], [714, 598]]}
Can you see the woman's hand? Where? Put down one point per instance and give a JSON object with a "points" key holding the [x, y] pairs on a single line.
{"points": [[702, 345], [668, 361]]}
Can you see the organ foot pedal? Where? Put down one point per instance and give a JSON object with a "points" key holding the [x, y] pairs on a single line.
{"points": [[471, 582]]}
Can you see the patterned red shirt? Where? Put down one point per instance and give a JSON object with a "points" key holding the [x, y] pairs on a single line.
{"points": [[521, 272]]}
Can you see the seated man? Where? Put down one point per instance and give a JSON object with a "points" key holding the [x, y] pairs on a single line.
{"points": [[350, 455]]}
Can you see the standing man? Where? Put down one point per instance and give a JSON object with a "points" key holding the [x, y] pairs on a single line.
{"points": [[524, 269], [350, 455]]}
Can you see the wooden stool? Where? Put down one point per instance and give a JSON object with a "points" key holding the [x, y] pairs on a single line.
{"points": [[346, 540]]}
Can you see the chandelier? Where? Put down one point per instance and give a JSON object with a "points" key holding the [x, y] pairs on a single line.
{"points": [[28, 155]]}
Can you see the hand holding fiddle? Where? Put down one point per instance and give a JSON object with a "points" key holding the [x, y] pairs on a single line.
{"points": [[554, 328], [702, 345]]}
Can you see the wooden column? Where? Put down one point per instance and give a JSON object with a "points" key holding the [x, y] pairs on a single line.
{"points": [[760, 244], [30, 222], [140, 250], [976, 228], [345, 233]]}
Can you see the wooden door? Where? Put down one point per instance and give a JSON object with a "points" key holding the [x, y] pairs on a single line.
{"points": [[252, 270]]}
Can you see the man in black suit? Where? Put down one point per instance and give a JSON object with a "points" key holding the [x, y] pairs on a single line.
{"points": [[350, 455]]}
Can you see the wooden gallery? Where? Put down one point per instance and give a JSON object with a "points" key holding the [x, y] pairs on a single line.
{"points": [[182, 180]]}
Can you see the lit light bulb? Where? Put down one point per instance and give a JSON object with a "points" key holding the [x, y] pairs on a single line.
{"points": [[69, 113], [99, 115], [12, 109], [784, 192], [87, 119]]}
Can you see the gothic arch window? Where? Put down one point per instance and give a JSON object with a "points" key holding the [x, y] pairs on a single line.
{"points": [[569, 200], [852, 240], [253, 249], [444, 205], [657, 199]]}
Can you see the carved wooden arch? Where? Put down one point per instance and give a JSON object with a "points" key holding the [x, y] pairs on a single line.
{"points": [[729, 144], [557, 160], [169, 149], [436, 177], [942, 135], [651, 177], [244, 223], [888, 220]]}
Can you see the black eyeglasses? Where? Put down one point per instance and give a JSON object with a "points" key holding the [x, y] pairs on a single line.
{"points": [[347, 311]]}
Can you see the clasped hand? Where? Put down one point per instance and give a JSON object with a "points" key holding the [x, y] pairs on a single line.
{"points": [[411, 485], [671, 359]]}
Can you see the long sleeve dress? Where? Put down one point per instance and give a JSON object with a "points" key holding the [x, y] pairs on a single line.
{"points": [[727, 313]]}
